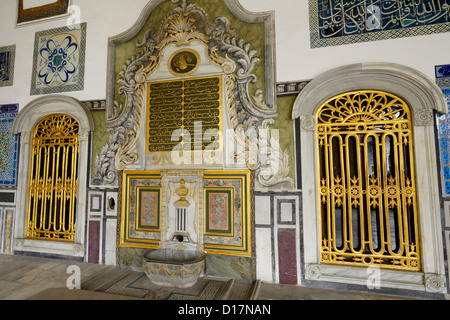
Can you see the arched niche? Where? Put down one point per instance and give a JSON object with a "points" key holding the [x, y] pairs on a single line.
{"points": [[424, 98], [24, 125]]}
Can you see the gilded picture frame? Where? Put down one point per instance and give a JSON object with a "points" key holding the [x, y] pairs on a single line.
{"points": [[236, 239], [134, 234], [43, 12]]}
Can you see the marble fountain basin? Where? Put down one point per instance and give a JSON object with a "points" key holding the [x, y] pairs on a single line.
{"points": [[179, 268]]}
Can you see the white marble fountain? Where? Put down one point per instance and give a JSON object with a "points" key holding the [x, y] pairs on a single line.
{"points": [[180, 259]]}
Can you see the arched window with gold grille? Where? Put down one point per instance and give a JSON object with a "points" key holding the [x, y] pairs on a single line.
{"points": [[53, 182], [367, 195]]}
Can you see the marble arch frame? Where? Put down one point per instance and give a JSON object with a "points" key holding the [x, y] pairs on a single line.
{"points": [[24, 125], [424, 97]]}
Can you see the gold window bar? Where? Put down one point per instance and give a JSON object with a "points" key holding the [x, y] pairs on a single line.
{"points": [[367, 184], [53, 181]]}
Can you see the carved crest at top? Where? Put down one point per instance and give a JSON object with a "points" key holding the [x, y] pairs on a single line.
{"points": [[181, 26]]}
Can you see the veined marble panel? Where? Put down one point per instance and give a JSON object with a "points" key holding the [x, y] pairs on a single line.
{"points": [[364, 276], [278, 237], [6, 225]]}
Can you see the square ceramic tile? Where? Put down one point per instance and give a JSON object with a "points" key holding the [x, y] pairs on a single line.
{"points": [[59, 58]]}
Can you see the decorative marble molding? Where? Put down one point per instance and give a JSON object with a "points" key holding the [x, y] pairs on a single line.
{"points": [[308, 123], [291, 87], [435, 283], [423, 117], [387, 279], [312, 272], [25, 137], [83, 135], [18, 244], [7, 61], [49, 247]]}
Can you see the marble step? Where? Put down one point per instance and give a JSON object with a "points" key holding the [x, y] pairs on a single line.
{"points": [[238, 290]]}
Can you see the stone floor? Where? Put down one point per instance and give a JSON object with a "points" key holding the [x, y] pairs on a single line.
{"points": [[34, 278]]}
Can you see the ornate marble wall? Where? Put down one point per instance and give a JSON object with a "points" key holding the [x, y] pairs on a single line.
{"points": [[257, 207], [175, 46]]}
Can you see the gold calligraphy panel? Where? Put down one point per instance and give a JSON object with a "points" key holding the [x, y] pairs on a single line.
{"points": [[184, 116]]}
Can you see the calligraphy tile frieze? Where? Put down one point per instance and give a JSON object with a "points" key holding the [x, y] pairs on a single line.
{"points": [[339, 22], [59, 59], [7, 59]]}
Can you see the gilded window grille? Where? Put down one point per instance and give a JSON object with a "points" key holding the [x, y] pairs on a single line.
{"points": [[53, 185], [367, 194]]}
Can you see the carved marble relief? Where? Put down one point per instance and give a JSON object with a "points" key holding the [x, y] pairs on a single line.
{"points": [[250, 110]]}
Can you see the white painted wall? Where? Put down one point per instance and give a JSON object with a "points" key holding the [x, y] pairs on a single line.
{"points": [[295, 59]]}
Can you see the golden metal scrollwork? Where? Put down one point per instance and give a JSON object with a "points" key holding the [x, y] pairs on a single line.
{"points": [[53, 183], [367, 194]]}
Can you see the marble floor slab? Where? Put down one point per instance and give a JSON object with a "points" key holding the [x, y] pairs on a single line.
{"points": [[36, 278]]}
